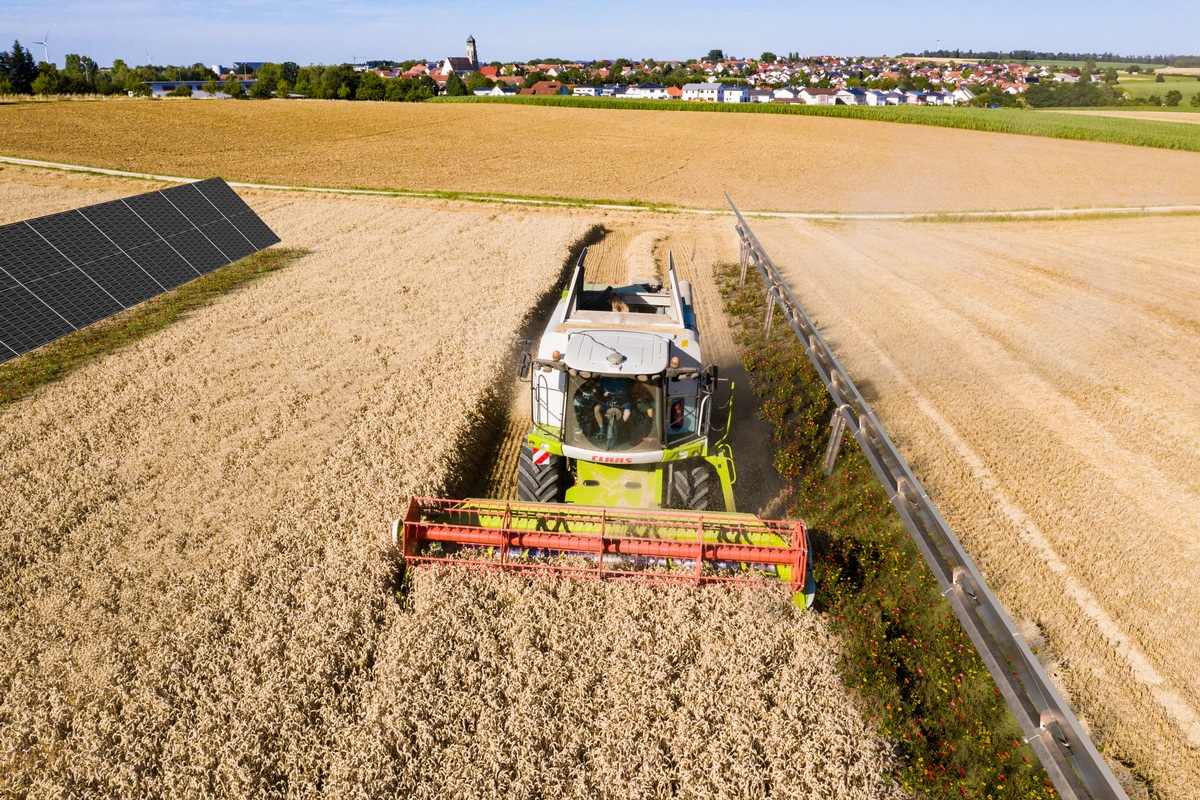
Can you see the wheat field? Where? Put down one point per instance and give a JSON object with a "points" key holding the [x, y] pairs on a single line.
{"points": [[198, 592], [1041, 378], [763, 161]]}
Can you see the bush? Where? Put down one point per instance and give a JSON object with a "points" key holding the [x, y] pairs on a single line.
{"points": [[1195, 100], [182, 90], [1173, 98], [234, 88]]}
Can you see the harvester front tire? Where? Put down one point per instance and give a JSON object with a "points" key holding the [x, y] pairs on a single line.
{"points": [[694, 488], [539, 483]]}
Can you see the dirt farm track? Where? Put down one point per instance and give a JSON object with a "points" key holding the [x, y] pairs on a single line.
{"points": [[196, 583]]}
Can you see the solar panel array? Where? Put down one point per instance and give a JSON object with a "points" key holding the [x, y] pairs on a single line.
{"points": [[63, 272]]}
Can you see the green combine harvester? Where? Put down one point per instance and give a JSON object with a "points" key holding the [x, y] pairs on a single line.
{"points": [[617, 468]]}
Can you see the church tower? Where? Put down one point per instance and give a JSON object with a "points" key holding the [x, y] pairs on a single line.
{"points": [[472, 55]]}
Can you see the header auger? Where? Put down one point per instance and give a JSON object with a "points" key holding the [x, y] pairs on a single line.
{"points": [[617, 478]]}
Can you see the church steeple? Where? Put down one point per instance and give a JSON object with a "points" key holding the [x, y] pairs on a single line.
{"points": [[472, 54]]}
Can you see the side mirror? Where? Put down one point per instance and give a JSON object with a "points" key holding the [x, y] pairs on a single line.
{"points": [[711, 375], [526, 366]]}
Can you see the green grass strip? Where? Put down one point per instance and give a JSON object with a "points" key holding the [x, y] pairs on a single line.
{"points": [[63, 356], [904, 655], [1025, 122]]}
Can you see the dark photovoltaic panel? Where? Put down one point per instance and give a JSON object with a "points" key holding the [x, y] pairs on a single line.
{"points": [[63, 272], [225, 199]]}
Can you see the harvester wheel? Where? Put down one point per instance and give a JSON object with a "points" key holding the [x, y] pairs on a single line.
{"points": [[539, 483], [693, 487]]}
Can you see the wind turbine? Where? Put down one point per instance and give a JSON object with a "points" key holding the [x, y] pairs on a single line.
{"points": [[149, 59], [46, 44]]}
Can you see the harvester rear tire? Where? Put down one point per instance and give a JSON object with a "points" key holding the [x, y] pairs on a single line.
{"points": [[540, 483], [693, 487]]}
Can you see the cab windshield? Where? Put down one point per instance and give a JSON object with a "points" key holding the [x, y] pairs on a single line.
{"points": [[614, 413]]}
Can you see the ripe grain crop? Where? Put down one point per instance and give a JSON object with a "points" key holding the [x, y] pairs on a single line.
{"points": [[1006, 120], [1040, 378], [198, 592], [497, 686], [765, 161]]}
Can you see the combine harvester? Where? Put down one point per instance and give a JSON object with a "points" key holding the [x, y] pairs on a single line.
{"points": [[617, 477]]}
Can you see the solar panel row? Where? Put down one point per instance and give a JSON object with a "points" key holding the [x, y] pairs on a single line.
{"points": [[65, 271]]}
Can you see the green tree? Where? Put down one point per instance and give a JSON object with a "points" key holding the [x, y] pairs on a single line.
{"points": [[477, 80], [715, 55], [47, 81], [1158, 78], [211, 87], [1134, 69], [1089, 66], [455, 86], [1110, 75], [291, 70], [768, 57], [182, 90], [233, 87], [267, 78], [340, 82], [1154, 100], [529, 81], [80, 73], [1173, 98], [371, 87], [1194, 100], [20, 68]]}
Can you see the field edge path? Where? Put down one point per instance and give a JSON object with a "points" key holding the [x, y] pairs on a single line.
{"points": [[939, 216]]}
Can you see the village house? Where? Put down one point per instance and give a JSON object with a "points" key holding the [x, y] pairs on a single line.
{"points": [[647, 91], [546, 88], [815, 96], [850, 97], [704, 92], [735, 94]]}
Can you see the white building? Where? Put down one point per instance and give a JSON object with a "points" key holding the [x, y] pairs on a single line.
{"points": [[647, 91], [704, 92], [734, 94], [815, 96], [850, 97]]}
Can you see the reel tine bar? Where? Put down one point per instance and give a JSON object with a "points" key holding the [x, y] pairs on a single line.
{"points": [[655, 538]]}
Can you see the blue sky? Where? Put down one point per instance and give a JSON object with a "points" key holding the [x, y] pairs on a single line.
{"points": [[334, 31]]}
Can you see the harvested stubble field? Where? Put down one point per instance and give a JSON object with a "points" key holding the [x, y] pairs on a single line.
{"points": [[197, 591], [764, 161], [1041, 378]]}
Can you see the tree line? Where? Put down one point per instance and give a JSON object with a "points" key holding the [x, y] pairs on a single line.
{"points": [[981, 56], [20, 74]]}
